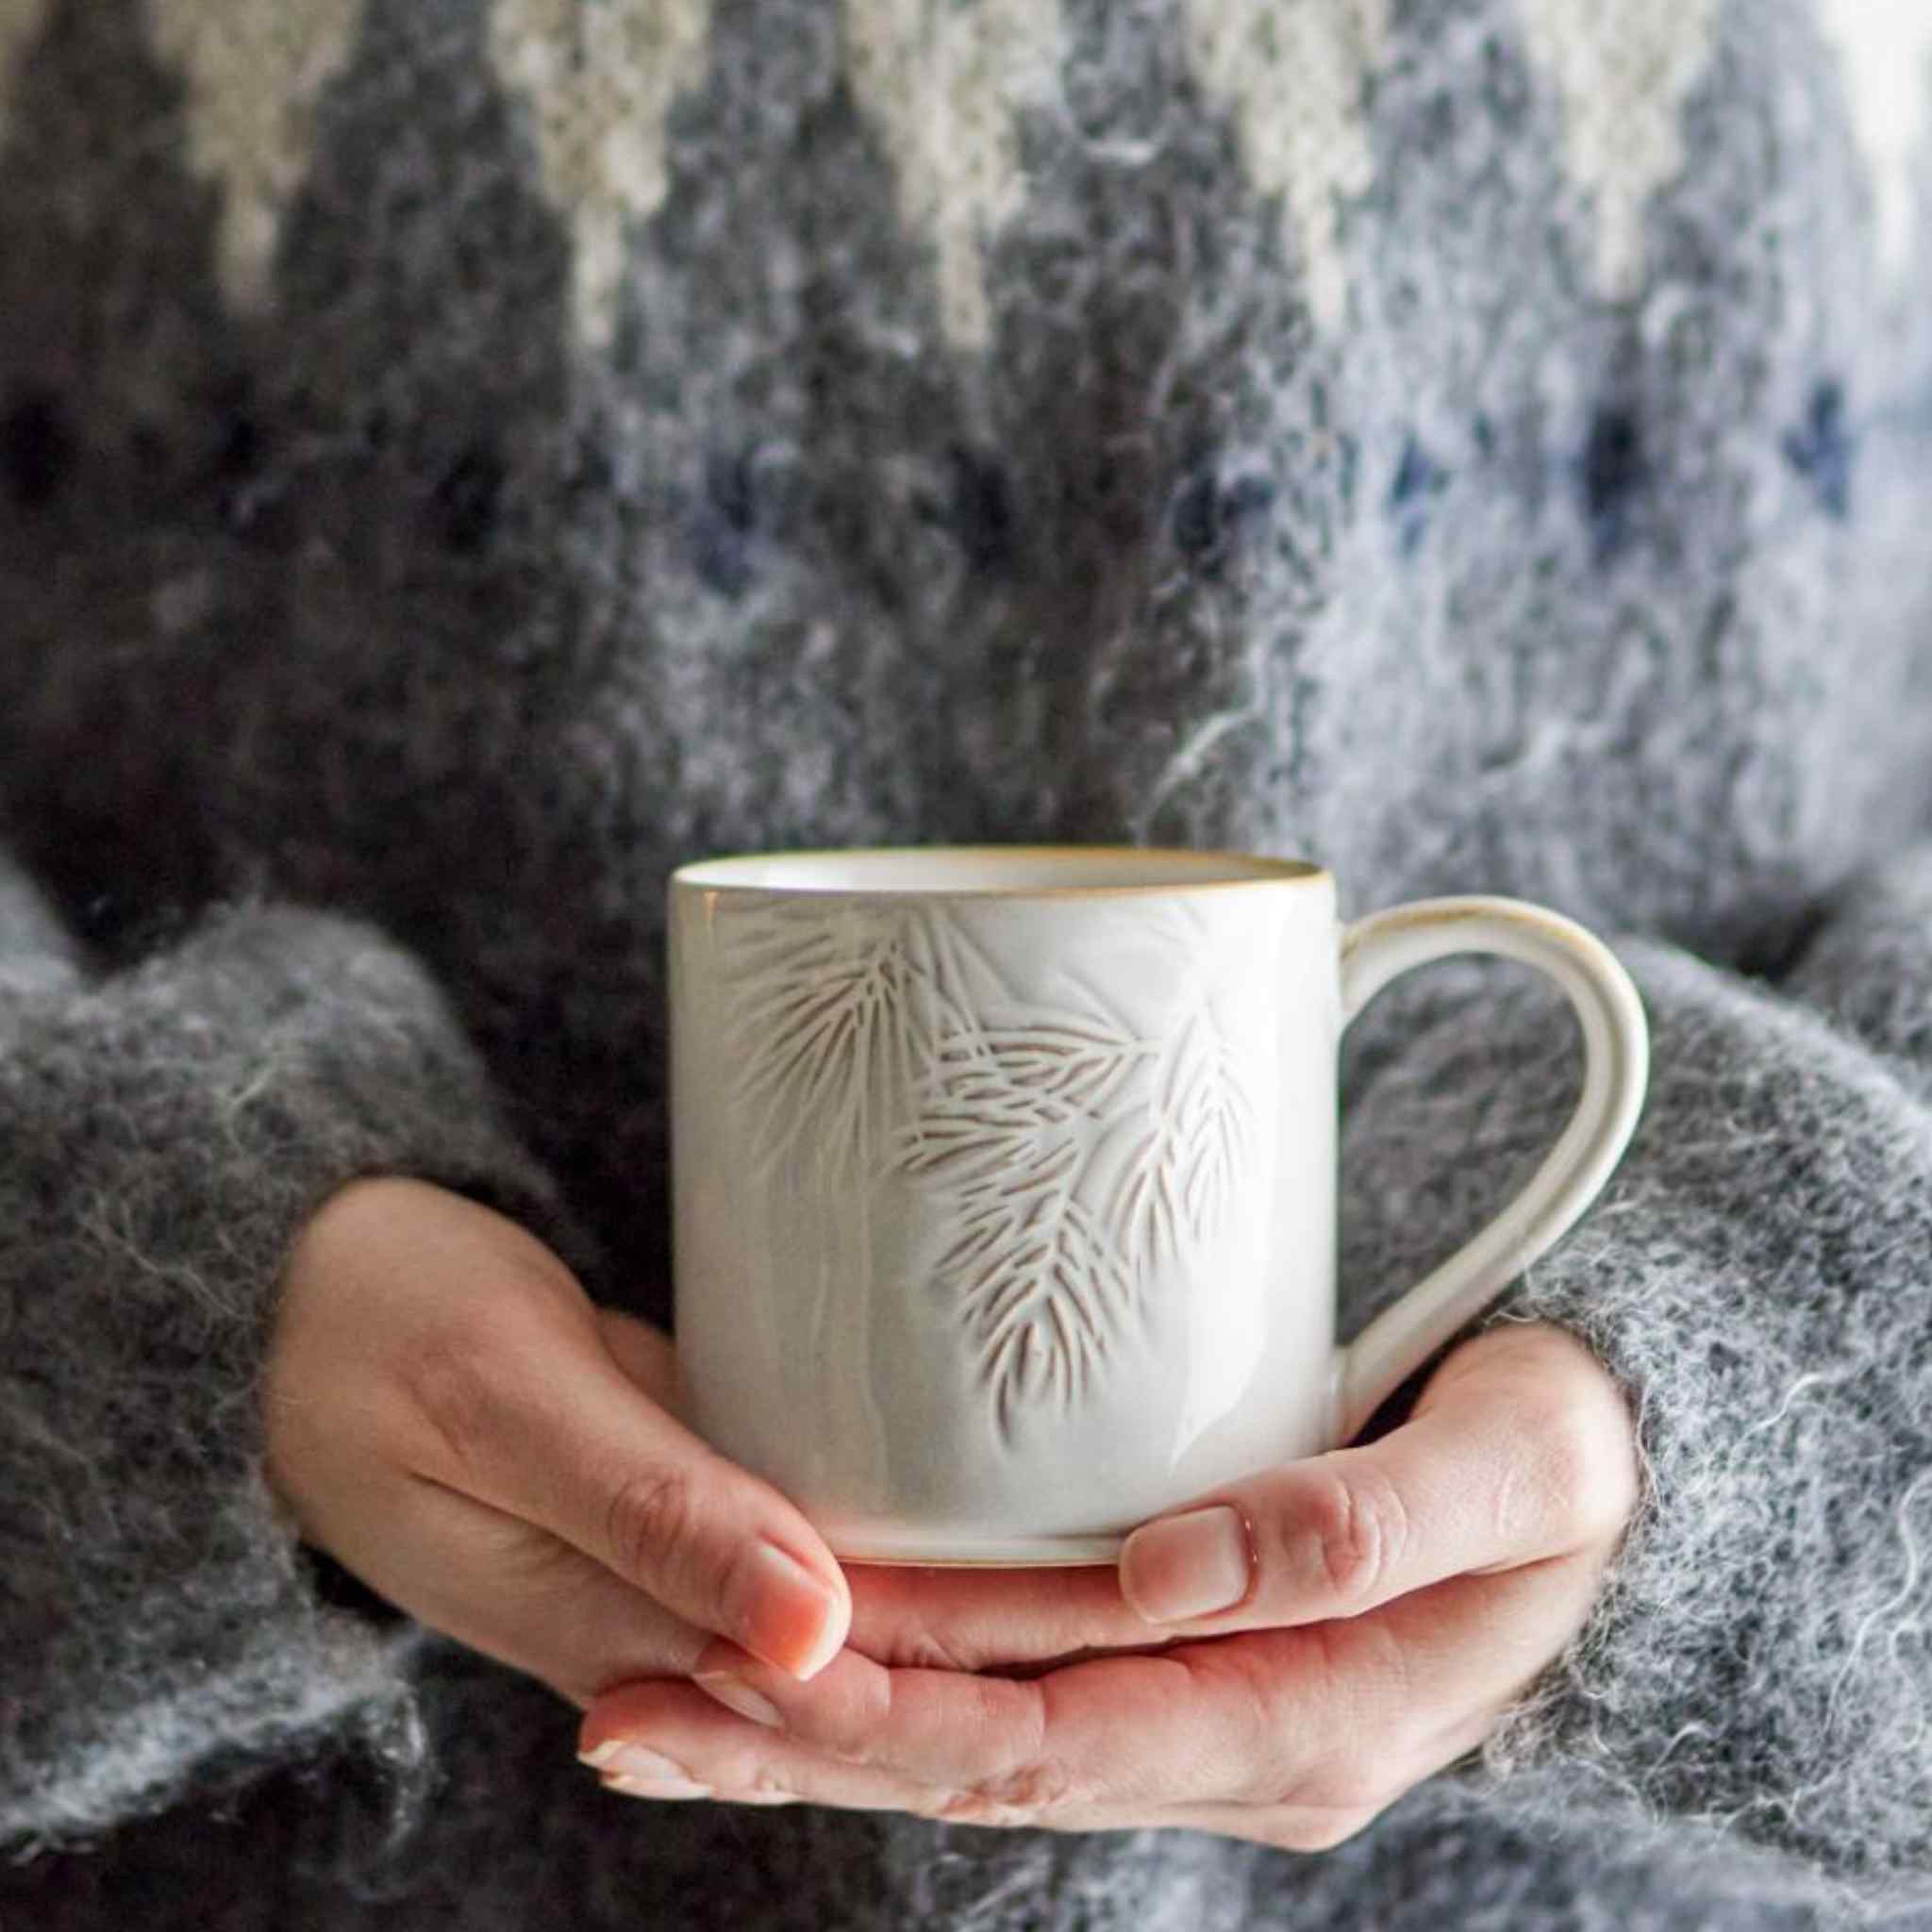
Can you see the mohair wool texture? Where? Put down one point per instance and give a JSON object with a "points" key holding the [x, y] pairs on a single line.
{"points": [[419, 531]]}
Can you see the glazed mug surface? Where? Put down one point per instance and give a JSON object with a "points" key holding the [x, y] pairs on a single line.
{"points": [[1004, 1178]]}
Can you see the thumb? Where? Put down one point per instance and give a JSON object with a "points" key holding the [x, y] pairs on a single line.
{"points": [[540, 1418], [1519, 1450]]}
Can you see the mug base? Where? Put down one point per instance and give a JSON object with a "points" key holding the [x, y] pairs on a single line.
{"points": [[936, 1552]]}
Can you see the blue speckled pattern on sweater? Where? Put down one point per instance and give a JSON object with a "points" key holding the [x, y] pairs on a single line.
{"points": [[461, 458]]}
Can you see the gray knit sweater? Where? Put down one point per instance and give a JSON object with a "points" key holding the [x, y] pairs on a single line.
{"points": [[459, 457]]}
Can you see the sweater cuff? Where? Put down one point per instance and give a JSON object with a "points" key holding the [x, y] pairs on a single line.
{"points": [[1752, 1684], [163, 1138]]}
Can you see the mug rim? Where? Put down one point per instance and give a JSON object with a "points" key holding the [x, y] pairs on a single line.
{"points": [[1226, 869]]}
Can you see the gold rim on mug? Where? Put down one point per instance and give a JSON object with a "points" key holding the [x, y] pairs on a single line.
{"points": [[764, 872]]}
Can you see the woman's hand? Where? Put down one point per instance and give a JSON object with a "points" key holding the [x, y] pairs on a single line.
{"points": [[1393, 1600], [450, 1417]]}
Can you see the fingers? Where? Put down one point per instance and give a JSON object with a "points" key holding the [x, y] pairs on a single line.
{"points": [[521, 1595], [1298, 1730], [425, 1344], [1115, 1732], [749, 1768], [1520, 1450], [1491, 1636], [1534, 1448], [1519, 1469], [865, 1741], [975, 1618], [529, 1411]]}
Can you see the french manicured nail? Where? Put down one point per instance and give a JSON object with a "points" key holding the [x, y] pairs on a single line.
{"points": [[657, 1788], [734, 1694], [616, 1759], [790, 1619], [1187, 1566]]}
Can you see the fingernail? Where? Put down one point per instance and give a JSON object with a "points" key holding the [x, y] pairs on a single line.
{"points": [[790, 1621], [734, 1694], [657, 1788], [1187, 1566], [615, 1757]]}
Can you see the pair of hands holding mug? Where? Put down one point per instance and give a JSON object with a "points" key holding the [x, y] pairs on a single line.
{"points": [[451, 1417]]}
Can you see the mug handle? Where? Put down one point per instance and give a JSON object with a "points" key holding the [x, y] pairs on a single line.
{"points": [[1616, 1070]]}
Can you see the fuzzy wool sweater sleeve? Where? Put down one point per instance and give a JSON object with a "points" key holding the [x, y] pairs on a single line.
{"points": [[164, 1132], [1754, 1683]]}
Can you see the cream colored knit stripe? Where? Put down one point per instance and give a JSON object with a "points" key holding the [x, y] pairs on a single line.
{"points": [[601, 80], [253, 69], [944, 84], [1625, 68], [1292, 73]]}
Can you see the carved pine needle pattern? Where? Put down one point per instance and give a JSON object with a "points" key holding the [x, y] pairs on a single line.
{"points": [[992, 1097], [1080, 1157], [1189, 1167], [1044, 1299], [837, 1015]]}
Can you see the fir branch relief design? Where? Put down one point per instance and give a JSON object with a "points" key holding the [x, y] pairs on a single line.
{"points": [[1009, 1125], [1080, 1157], [1192, 1163], [839, 1017]]}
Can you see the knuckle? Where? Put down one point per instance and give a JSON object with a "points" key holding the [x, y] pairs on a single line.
{"points": [[765, 1788], [1363, 1527], [1027, 1797], [977, 1808], [451, 1380], [652, 1518], [855, 1733], [1034, 1784], [923, 1646], [1574, 1473]]}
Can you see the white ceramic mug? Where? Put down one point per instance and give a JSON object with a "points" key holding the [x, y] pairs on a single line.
{"points": [[1004, 1178]]}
